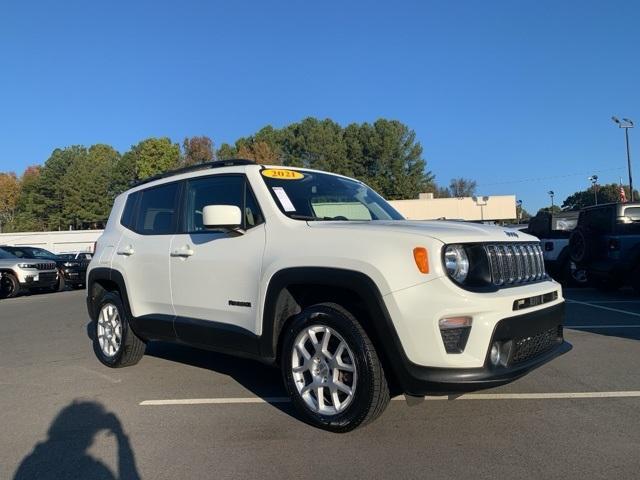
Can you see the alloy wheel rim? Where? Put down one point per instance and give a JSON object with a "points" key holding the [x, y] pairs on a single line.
{"points": [[109, 330], [324, 370]]}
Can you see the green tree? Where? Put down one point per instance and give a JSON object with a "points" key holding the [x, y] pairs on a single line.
{"points": [[554, 209], [87, 186], [30, 206], [226, 152], [197, 150], [9, 194], [462, 187], [149, 157], [609, 193], [50, 186]]}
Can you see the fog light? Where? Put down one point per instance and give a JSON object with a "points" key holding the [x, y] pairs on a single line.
{"points": [[494, 356]]}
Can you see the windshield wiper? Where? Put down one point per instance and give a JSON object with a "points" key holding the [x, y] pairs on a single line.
{"points": [[311, 218]]}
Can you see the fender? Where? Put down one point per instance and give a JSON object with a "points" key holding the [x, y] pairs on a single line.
{"points": [[280, 306], [147, 327]]}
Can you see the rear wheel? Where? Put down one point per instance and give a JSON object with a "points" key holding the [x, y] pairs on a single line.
{"points": [[331, 369], [114, 342], [9, 285]]}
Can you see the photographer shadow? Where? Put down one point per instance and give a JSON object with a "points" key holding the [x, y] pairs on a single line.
{"points": [[64, 454]]}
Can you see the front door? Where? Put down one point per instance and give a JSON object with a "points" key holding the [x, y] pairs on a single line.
{"points": [[215, 274]]}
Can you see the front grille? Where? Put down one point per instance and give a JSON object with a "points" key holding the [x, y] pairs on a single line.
{"points": [[515, 263], [530, 347], [46, 266]]}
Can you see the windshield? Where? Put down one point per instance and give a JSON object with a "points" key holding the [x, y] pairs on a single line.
{"points": [[303, 195], [31, 252]]}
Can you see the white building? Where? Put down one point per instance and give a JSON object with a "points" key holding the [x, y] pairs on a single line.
{"points": [[494, 207], [56, 242]]}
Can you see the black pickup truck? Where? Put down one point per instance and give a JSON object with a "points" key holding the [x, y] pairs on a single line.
{"points": [[606, 243], [72, 270]]}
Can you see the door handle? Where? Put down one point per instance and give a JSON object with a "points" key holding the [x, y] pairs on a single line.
{"points": [[127, 251], [182, 252]]}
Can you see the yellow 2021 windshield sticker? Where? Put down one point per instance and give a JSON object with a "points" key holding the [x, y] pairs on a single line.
{"points": [[282, 174]]}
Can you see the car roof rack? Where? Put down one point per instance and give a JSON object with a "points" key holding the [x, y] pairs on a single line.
{"points": [[230, 162]]}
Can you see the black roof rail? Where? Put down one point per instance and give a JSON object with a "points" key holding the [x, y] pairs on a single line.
{"points": [[230, 162]]}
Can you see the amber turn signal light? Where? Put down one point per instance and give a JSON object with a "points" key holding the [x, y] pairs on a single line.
{"points": [[421, 257]]}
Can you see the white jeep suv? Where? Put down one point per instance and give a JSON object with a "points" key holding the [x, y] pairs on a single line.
{"points": [[318, 274]]}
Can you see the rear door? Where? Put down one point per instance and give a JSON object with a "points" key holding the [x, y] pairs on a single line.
{"points": [[215, 274], [142, 255]]}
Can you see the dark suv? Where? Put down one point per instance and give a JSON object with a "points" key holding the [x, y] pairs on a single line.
{"points": [[71, 271], [606, 243]]}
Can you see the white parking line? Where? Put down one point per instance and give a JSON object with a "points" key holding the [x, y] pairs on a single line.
{"points": [[468, 396], [602, 307], [601, 326]]}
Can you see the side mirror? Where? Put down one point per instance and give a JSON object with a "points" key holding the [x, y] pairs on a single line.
{"points": [[221, 217]]}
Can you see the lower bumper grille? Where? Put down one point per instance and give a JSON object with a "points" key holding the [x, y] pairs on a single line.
{"points": [[48, 277], [530, 347]]}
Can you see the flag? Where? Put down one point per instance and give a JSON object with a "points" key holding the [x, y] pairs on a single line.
{"points": [[623, 196]]}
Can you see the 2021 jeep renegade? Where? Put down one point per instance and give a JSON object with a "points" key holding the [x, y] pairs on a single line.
{"points": [[318, 274]]}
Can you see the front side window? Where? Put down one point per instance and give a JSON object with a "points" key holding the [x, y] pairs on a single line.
{"points": [[157, 210], [303, 195], [219, 190]]}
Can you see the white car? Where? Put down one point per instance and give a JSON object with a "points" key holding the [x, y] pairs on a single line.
{"points": [[318, 274]]}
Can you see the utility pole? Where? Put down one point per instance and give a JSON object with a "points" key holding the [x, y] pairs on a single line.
{"points": [[626, 124], [594, 181]]}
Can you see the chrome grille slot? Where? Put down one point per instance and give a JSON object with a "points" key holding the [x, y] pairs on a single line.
{"points": [[515, 263]]}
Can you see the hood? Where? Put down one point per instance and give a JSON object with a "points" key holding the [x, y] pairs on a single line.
{"points": [[445, 231]]}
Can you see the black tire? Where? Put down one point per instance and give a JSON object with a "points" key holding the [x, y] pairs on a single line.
{"points": [[581, 245], [61, 283], [131, 348], [371, 394], [9, 285]]}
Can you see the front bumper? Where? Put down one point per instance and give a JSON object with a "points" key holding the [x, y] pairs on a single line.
{"points": [[417, 353], [74, 275], [419, 380], [39, 279]]}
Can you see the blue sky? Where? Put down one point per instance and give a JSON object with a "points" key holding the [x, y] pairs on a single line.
{"points": [[503, 92]]}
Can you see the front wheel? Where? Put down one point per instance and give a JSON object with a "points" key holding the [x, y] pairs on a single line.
{"points": [[114, 343], [331, 369], [9, 285]]}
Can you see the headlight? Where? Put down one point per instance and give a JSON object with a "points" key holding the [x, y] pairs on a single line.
{"points": [[69, 264], [456, 262], [27, 266]]}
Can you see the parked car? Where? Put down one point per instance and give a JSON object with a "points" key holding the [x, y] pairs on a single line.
{"points": [[77, 255], [554, 231], [606, 243], [19, 274], [318, 274], [71, 271]]}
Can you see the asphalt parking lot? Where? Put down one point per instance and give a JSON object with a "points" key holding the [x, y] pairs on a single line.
{"points": [[184, 413]]}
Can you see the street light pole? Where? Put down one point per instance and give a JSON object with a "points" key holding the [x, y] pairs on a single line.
{"points": [[551, 194], [594, 181], [626, 124]]}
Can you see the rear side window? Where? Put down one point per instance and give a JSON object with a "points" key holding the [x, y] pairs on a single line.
{"points": [[128, 218], [157, 210]]}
